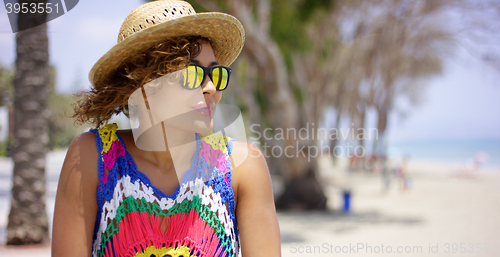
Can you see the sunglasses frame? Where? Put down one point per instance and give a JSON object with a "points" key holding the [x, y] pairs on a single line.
{"points": [[208, 71]]}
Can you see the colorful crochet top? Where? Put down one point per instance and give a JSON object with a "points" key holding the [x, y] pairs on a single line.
{"points": [[135, 218]]}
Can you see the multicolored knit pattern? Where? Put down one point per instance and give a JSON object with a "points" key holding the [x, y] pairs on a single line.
{"points": [[137, 219]]}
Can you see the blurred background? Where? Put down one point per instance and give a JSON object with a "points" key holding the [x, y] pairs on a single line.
{"points": [[398, 98]]}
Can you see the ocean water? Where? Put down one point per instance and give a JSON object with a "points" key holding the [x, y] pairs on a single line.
{"points": [[457, 151]]}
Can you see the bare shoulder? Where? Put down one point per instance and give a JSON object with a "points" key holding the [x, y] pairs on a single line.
{"points": [[84, 145], [255, 210], [250, 171], [246, 157], [82, 157], [76, 204], [79, 174], [85, 140]]}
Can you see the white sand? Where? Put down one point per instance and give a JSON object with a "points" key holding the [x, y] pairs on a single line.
{"points": [[439, 210], [436, 211]]}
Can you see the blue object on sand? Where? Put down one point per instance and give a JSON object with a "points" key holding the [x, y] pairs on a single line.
{"points": [[347, 200]]}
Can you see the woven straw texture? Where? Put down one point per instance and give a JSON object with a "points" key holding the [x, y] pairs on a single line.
{"points": [[151, 23]]}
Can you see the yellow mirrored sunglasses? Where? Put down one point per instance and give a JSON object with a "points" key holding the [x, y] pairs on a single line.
{"points": [[194, 76]]}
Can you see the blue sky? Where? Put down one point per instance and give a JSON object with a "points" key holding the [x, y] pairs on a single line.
{"points": [[462, 103]]}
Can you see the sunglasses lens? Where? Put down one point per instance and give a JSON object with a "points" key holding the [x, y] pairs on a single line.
{"points": [[220, 77], [192, 77]]}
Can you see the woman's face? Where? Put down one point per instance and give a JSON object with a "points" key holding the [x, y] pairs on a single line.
{"points": [[165, 100]]}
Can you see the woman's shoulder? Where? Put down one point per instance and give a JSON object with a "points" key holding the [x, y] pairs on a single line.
{"points": [[248, 162], [83, 150], [82, 160], [243, 152], [84, 142], [76, 203]]}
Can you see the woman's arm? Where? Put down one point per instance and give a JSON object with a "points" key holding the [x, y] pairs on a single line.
{"points": [[76, 205], [255, 211]]}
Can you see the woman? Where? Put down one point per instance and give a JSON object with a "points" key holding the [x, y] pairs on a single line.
{"points": [[168, 187]]}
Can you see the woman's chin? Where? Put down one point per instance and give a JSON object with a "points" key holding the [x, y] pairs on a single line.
{"points": [[203, 126]]}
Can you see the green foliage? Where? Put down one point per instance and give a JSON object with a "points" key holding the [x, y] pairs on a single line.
{"points": [[195, 5], [3, 148], [328, 47], [6, 92], [221, 5], [289, 22], [297, 93], [310, 8], [6, 84], [61, 127], [6, 146], [262, 99], [287, 29]]}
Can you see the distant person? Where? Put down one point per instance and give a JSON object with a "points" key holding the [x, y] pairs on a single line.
{"points": [[401, 172], [173, 188], [384, 166], [470, 168]]}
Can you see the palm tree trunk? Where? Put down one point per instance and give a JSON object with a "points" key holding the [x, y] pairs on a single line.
{"points": [[333, 142], [361, 137], [28, 222], [283, 110]]}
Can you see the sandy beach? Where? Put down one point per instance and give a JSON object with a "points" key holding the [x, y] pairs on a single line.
{"points": [[439, 215]]}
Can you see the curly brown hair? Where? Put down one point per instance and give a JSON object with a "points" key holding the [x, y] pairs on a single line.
{"points": [[111, 96]]}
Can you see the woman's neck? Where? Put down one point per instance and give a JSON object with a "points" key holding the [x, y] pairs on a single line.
{"points": [[167, 147]]}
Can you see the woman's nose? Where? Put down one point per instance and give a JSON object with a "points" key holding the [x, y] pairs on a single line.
{"points": [[208, 87]]}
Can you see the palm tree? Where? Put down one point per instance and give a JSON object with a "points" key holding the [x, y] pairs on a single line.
{"points": [[28, 222], [270, 97]]}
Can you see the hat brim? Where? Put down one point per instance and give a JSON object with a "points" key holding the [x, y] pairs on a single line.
{"points": [[225, 32]]}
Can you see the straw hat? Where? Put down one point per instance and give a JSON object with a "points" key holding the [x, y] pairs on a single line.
{"points": [[150, 23]]}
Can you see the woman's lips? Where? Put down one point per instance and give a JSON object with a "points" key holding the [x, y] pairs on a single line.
{"points": [[204, 111], [204, 108]]}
